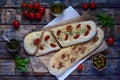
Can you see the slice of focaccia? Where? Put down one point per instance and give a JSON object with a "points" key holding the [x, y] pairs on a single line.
{"points": [[47, 44], [74, 33], [67, 57], [31, 42]]}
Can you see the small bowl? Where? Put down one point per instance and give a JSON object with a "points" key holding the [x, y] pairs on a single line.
{"points": [[56, 8], [99, 62], [14, 45]]}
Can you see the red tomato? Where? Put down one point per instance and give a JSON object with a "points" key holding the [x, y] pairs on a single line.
{"points": [[110, 41], [78, 26], [31, 16], [84, 6], [26, 13], [38, 16], [36, 5], [66, 37], [92, 5], [16, 24], [41, 48], [76, 36], [59, 32], [86, 33], [47, 38], [41, 10], [69, 28], [24, 5], [80, 67], [88, 26], [36, 41], [53, 45], [30, 6]]}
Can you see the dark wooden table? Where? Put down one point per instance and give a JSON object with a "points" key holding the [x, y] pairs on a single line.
{"points": [[10, 10]]}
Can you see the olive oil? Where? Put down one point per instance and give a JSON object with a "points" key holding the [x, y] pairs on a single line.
{"points": [[57, 8]]}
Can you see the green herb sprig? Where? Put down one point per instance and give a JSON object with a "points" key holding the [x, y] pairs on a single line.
{"points": [[105, 20], [21, 63]]}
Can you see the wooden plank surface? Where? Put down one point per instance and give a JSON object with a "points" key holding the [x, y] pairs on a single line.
{"points": [[8, 69], [25, 29], [100, 3], [8, 15], [10, 10], [111, 52], [80, 77]]}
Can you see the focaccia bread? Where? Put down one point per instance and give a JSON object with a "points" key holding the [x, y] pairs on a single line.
{"points": [[67, 57], [75, 33], [47, 44], [31, 42]]}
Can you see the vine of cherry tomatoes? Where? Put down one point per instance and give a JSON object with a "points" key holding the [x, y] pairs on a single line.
{"points": [[33, 11]]}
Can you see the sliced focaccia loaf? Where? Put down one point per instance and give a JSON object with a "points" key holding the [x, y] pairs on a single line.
{"points": [[67, 57], [31, 42], [47, 44], [74, 33]]}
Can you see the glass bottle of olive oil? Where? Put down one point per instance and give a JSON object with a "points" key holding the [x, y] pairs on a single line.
{"points": [[57, 8]]}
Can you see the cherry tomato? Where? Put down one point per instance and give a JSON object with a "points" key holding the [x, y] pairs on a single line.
{"points": [[30, 6], [76, 36], [24, 5], [36, 41], [59, 32], [88, 26], [41, 10], [53, 45], [38, 16], [110, 41], [92, 5], [26, 13], [80, 67], [85, 6], [66, 37], [31, 16], [47, 38], [16, 24], [41, 48], [36, 5], [69, 28], [86, 33], [78, 26]]}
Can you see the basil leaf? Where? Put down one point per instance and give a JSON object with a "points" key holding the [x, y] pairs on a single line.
{"points": [[21, 63]]}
